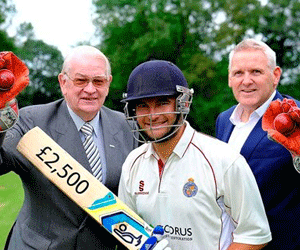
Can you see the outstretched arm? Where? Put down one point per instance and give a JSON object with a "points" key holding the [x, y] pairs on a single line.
{"points": [[239, 246], [282, 123], [13, 79]]}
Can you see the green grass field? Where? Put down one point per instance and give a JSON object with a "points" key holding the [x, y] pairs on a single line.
{"points": [[11, 199]]}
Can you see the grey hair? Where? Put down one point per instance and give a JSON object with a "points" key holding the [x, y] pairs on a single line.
{"points": [[83, 50], [255, 45]]}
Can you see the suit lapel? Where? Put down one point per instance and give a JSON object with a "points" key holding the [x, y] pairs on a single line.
{"points": [[66, 135], [111, 143], [256, 135], [225, 127], [227, 131]]}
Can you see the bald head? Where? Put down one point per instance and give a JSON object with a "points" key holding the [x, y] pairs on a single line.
{"points": [[82, 52]]}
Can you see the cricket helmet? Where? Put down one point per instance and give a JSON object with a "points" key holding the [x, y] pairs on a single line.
{"points": [[155, 79]]}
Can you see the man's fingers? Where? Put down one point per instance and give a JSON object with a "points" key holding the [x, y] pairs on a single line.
{"points": [[162, 245]]}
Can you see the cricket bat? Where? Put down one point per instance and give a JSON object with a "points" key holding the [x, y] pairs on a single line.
{"points": [[84, 189]]}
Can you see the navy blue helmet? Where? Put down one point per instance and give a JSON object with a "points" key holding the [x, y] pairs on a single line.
{"points": [[155, 79]]}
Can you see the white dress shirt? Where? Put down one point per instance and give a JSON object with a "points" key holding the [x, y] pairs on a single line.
{"points": [[242, 130]]}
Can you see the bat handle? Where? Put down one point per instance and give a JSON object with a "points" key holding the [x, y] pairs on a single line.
{"points": [[157, 235], [150, 243]]}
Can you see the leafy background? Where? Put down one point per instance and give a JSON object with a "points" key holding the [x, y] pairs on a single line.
{"points": [[196, 35]]}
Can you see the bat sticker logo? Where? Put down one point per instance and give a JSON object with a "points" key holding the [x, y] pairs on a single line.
{"points": [[107, 200], [119, 222], [127, 236]]}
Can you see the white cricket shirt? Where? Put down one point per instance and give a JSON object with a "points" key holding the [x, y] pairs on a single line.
{"points": [[206, 198]]}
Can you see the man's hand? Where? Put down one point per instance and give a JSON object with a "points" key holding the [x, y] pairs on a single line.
{"points": [[13, 77], [282, 122], [156, 241], [9, 115]]}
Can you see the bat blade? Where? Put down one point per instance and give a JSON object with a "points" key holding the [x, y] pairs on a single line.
{"points": [[84, 189]]}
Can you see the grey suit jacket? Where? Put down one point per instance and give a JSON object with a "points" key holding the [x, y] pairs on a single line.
{"points": [[48, 219]]}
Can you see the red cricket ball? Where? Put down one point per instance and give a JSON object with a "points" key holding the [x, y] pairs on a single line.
{"points": [[7, 79], [284, 124]]}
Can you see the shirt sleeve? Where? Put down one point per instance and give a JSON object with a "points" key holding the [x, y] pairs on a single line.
{"points": [[124, 187], [244, 202]]}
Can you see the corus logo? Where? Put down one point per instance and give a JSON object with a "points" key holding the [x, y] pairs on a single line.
{"points": [[178, 231]]}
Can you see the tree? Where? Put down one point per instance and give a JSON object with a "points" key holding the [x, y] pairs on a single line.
{"points": [[280, 25], [7, 10], [197, 36], [276, 23], [44, 62], [136, 31]]}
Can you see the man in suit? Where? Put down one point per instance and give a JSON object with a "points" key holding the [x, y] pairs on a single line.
{"points": [[253, 77], [48, 219]]}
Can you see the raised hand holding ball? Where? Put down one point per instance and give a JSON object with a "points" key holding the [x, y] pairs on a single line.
{"points": [[14, 77]]}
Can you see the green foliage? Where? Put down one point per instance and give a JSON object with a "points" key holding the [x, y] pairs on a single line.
{"points": [[197, 37], [194, 34], [6, 11], [11, 199], [279, 23], [138, 31], [240, 17], [44, 62], [6, 43]]}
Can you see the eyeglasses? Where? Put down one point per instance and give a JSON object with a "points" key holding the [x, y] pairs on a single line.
{"points": [[82, 81]]}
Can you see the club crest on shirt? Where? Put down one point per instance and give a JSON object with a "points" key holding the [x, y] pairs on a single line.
{"points": [[190, 189]]}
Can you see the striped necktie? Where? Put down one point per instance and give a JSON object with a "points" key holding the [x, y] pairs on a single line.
{"points": [[92, 151]]}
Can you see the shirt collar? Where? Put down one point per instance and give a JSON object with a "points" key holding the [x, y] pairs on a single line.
{"points": [[184, 141], [181, 146], [235, 117], [79, 122]]}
